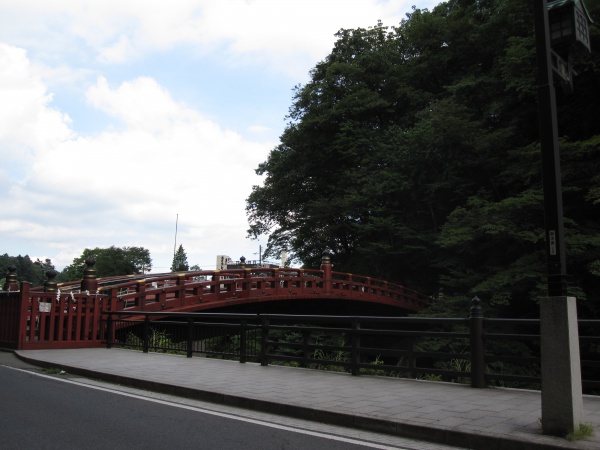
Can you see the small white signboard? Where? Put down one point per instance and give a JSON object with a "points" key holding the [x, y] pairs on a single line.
{"points": [[45, 307], [552, 236]]}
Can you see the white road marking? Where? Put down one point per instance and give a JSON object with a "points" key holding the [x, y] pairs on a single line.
{"points": [[216, 413]]}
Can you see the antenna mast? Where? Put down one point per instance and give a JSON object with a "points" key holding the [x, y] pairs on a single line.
{"points": [[175, 245]]}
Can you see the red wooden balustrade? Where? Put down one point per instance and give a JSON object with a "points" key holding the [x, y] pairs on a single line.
{"points": [[68, 318]]}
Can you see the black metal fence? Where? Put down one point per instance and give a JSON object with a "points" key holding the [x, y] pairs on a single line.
{"points": [[474, 350], [201, 334]]}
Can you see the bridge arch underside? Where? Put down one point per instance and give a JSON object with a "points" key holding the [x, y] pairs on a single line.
{"points": [[293, 305]]}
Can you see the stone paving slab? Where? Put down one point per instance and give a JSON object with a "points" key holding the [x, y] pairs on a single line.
{"points": [[446, 413]]}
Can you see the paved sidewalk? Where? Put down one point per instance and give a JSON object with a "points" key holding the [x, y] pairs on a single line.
{"points": [[445, 413]]}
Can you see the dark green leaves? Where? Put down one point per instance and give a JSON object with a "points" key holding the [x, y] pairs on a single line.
{"points": [[180, 262], [412, 155], [111, 261]]}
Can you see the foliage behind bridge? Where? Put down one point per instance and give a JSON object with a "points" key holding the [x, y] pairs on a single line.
{"points": [[412, 155]]}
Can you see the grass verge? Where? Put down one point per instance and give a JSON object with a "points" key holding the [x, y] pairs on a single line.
{"points": [[584, 431]]}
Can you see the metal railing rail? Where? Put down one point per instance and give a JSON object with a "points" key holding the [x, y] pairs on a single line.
{"points": [[431, 348]]}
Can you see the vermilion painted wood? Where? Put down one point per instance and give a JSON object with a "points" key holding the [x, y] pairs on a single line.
{"points": [[30, 319], [10, 309]]}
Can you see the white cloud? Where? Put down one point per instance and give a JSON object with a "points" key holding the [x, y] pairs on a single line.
{"points": [[62, 190], [119, 52], [286, 36], [26, 120], [141, 103], [258, 129], [61, 74], [124, 186]]}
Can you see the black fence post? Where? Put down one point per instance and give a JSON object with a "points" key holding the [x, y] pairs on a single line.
{"points": [[109, 330], [243, 332], [477, 344], [305, 350], [146, 333], [190, 332], [264, 337], [355, 346], [411, 358]]}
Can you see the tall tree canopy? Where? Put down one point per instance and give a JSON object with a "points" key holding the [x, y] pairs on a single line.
{"points": [[111, 261], [412, 155]]}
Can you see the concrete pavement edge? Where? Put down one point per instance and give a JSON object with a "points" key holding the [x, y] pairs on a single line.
{"points": [[439, 435]]}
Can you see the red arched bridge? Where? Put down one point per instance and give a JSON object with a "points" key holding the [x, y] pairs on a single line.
{"points": [[70, 314]]}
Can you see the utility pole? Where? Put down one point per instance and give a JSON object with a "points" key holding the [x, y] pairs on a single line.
{"points": [[562, 402], [551, 175]]}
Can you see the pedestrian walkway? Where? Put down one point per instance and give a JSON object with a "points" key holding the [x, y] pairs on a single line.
{"points": [[452, 414]]}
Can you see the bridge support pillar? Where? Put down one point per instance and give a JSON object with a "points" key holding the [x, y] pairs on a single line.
{"points": [[562, 403]]}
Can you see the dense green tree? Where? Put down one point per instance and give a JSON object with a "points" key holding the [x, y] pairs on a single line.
{"points": [[180, 262], [27, 270], [111, 261], [412, 155], [44, 265]]}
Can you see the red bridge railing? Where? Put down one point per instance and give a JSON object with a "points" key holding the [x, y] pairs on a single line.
{"points": [[196, 291], [67, 316]]}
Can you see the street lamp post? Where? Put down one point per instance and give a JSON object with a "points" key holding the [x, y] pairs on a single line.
{"points": [[553, 208], [562, 405]]}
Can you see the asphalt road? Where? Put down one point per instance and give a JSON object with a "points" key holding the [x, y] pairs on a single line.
{"points": [[43, 412]]}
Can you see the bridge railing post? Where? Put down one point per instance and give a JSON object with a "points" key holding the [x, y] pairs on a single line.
{"points": [[89, 282], [22, 314], [477, 344], [113, 297], [50, 285], [11, 283], [247, 283], [368, 283], [355, 352], [243, 331], [146, 333], [276, 284], [140, 290], [190, 332], [327, 267], [109, 329], [215, 285], [181, 282], [411, 358], [264, 337], [305, 349]]}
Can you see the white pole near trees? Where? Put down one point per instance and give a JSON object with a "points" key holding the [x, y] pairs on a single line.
{"points": [[175, 245]]}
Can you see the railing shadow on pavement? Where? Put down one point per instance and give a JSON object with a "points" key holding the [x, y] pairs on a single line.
{"points": [[501, 352]]}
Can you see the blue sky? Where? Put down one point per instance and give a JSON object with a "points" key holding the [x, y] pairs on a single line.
{"points": [[117, 116]]}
